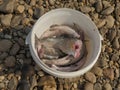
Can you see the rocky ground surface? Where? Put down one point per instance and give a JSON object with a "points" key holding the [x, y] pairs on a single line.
{"points": [[16, 20]]}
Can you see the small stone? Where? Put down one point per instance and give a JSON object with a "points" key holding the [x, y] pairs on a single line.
{"points": [[20, 8], [90, 77], [88, 86], [108, 49], [2, 85], [108, 10], [117, 12], [110, 21], [116, 44], [13, 83], [10, 61], [107, 86], [97, 71], [33, 82], [97, 86], [109, 72], [118, 87], [7, 36], [14, 50], [41, 73], [106, 4], [99, 6], [21, 42], [2, 78], [30, 11], [51, 2], [49, 88], [47, 81], [60, 86], [85, 9], [117, 73], [7, 6], [27, 70], [101, 23], [92, 1], [16, 20], [5, 45], [33, 2], [38, 12], [115, 57], [25, 21], [112, 34], [3, 55], [6, 19], [23, 85], [75, 85]]}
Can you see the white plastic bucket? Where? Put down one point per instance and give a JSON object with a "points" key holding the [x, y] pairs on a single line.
{"points": [[66, 16]]}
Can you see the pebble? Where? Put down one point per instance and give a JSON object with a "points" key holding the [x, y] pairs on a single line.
{"points": [[92, 1], [21, 42], [23, 85], [16, 20], [116, 44], [5, 45], [107, 86], [112, 34], [97, 71], [90, 77], [101, 23], [47, 81], [115, 57], [10, 61], [108, 49], [110, 21], [33, 82], [7, 36], [49, 88], [32, 2], [117, 73], [38, 12], [2, 78], [13, 83], [2, 85], [118, 87], [15, 48], [106, 4], [117, 12], [98, 6], [20, 8], [108, 10], [30, 11], [41, 73], [85, 9], [3, 55], [6, 19], [27, 70], [25, 21], [97, 86], [7, 6], [51, 2], [109, 73], [88, 86]]}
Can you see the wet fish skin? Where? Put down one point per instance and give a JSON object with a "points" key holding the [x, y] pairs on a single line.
{"points": [[58, 30]]}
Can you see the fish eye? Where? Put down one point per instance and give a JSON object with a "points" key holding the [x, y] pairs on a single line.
{"points": [[76, 46]]}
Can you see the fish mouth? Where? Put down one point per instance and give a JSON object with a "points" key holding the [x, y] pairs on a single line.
{"points": [[76, 54]]}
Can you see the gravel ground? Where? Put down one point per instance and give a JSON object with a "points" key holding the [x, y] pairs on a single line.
{"points": [[18, 71]]}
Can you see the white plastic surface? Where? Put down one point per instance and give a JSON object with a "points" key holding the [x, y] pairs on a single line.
{"points": [[66, 16]]}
